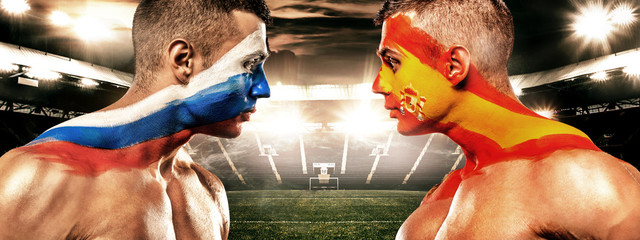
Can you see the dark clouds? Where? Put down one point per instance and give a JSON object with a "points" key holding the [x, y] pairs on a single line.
{"points": [[334, 40], [341, 30]]}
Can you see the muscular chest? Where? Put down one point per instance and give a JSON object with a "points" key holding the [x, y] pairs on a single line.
{"points": [[179, 206], [425, 222]]}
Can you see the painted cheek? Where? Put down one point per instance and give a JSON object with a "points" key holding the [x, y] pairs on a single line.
{"points": [[219, 102], [422, 91], [260, 88], [383, 81]]}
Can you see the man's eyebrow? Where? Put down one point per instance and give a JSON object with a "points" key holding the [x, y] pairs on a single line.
{"points": [[259, 53], [383, 51]]}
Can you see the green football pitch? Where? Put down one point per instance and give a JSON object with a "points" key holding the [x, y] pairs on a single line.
{"points": [[334, 214]]}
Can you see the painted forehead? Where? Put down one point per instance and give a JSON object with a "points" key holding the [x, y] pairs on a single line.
{"points": [[232, 62], [399, 31]]}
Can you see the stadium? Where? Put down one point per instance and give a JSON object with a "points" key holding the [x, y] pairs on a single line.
{"points": [[320, 159]]}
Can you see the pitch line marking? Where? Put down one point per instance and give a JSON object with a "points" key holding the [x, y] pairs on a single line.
{"points": [[377, 160], [303, 156], [455, 165], [344, 154], [233, 167], [415, 165], [321, 222]]}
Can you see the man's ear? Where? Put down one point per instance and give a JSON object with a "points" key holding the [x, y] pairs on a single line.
{"points": [[456, 64], [181, 59]]}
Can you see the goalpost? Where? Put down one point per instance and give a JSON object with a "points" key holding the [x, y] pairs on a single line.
{"points": [[324, 179]]}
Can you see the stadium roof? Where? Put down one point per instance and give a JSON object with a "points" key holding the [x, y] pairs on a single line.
{"points": [[600, 64], [34, 58]]}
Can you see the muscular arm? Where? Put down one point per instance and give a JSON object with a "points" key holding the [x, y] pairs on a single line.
{"points": [[198, 200]]}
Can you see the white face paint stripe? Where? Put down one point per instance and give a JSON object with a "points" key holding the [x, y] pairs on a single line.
{"points": [[229, 65]]}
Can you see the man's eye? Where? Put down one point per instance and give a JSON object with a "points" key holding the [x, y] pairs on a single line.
{"points": [[392, 62], [251, 64]]}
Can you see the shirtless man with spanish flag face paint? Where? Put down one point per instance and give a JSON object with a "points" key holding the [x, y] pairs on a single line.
{"points": [[526, 177], [120, 173]]}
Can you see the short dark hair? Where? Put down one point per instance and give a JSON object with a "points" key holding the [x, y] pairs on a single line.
{"points": [[207, 24], [485, 27]]}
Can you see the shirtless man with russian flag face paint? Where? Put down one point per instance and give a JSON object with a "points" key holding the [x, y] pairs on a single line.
{"points": [[120, 173], [526, 177]]}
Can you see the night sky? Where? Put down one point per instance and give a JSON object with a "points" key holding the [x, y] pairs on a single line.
{"points": [[333, 41]]}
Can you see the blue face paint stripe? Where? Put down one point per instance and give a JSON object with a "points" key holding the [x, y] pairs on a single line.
{"points": [[216, 103]]}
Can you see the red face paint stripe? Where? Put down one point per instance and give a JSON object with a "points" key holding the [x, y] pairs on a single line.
{"points": [[87, 161], [415, 40], [535, 149], [477, 85], [488, 152], [446, 190], [429, 51]]}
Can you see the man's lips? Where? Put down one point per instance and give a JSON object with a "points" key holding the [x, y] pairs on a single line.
{"points": [[392, 105], [246, 115]]}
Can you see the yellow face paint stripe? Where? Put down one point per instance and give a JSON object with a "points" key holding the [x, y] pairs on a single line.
{"points": [[446, 104]]}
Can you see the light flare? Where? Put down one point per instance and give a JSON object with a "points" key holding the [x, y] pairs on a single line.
{"points": [[517, 91], [548, 113], [632, 70], [60, 18], [600, 76], [42, 74], [7, 67], [89, 82], [15, 6], [623, 15], [595, 24], [90, 29]]}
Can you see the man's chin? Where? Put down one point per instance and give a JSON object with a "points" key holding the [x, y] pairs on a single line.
{"points": [[230, 128], [413, 128]]}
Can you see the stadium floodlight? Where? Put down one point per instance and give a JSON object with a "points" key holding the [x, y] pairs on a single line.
{"points": [[60, 18], [595, 23], [599, 76], [90, 29], [89, 82], [517, 91], [545, 113], [42, 74], [632, 70], [623, 15], [15, 6], [7, 67]]}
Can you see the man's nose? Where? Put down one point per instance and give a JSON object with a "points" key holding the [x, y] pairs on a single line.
{"points": [[260, 87], [380, 86]]}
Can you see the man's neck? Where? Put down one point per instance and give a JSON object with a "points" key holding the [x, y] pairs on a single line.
{"points": [[122, 138], [492, 127]]}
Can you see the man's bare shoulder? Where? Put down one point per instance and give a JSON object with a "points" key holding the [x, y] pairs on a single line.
{"points": [[586, 173], [585, 193], [593, 191], [18, 165]]}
